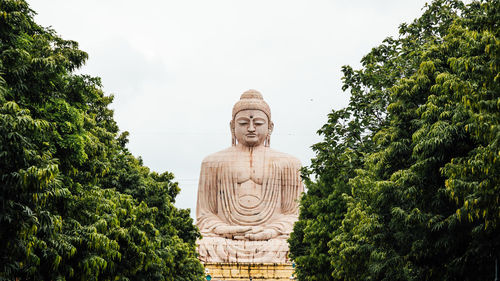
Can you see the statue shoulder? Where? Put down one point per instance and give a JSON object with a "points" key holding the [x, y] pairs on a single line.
{"points": [[284, 158], [220, 156]]}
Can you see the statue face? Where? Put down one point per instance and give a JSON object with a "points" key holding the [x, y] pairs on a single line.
{"points": [[251, 127]]}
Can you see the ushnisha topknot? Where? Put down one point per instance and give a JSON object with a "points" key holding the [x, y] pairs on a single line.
{"points": [[252, 99]]}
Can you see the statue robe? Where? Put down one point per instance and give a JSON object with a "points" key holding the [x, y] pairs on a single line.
{"points": [[219, 204]]}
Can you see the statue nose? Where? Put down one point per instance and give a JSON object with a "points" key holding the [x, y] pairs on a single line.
{"points": [[251, 127]]}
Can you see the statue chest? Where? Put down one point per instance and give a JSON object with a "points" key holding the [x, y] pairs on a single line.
{"points": [[250, 177], [249, 169]]}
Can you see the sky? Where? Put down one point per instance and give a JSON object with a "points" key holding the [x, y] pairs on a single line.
{"points": [[176, 68]]}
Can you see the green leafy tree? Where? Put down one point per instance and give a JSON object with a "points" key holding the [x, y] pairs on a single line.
{"points": [[420, 201], [74, 203]]}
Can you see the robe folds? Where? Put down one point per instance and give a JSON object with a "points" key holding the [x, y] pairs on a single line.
{"points": [[220, 204]]}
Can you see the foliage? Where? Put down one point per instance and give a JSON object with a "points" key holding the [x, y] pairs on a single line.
{"points": [[407, 178], [74, 203]]}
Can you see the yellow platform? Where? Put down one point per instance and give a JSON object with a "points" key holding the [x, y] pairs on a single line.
{"points": [[249, 271]]}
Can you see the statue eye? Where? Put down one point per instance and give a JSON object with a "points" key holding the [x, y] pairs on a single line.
{"points": [[259, 121]]}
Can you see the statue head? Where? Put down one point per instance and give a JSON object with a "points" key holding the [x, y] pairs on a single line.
{"points": [[251, 124]]}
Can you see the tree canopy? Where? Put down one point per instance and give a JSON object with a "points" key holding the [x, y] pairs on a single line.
{"points": [[74, 203], [407, 179]]}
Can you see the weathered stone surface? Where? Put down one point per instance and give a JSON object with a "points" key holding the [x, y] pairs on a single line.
{"points": [[248, 193], [245, 271]]}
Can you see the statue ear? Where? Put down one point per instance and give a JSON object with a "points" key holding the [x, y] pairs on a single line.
{"points": [[267, 141], [233, 136]]}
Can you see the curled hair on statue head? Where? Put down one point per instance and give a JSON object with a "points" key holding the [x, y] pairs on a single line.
{"points": [[252, 99]]}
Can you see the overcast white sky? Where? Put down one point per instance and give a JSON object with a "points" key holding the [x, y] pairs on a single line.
{"points": [[176, 68]]}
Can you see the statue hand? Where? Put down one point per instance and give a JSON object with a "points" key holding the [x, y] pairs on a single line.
{"points": [[230, 231], [261, 234]]}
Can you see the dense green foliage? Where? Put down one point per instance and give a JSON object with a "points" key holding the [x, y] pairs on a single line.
{"points": [[407, 182], [74, 203]]}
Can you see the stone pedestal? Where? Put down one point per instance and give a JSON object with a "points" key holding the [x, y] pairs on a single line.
{"points": [[249, 271]]}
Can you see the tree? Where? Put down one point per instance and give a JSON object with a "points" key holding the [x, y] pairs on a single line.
{"points": [[74, 203], [420, 201]]}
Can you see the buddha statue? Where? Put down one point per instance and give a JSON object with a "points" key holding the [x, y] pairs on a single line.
{"points": [[248, 193]]}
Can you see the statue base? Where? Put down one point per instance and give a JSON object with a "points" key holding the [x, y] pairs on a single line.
{"points": [[249, 271]]}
